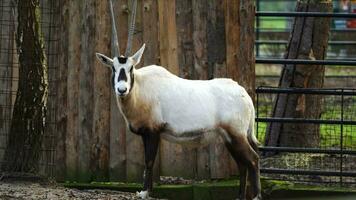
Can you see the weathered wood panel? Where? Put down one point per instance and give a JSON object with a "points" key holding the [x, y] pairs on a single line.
{"points": [[101, 134], [86, 86], [62, 116], [134, 145], [168, 35], [73, 64], [193, 39]]}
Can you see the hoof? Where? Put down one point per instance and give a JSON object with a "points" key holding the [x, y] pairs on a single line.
{"points": [[258, 197], [142, 194]]}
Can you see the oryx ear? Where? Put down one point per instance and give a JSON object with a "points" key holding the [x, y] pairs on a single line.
{"points": [[137, 56], [104, 59]]}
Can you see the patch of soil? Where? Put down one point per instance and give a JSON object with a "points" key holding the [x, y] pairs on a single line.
{"points": [[23, 190]]}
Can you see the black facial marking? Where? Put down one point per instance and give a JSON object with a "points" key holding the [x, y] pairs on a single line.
{"points": [[122, 75], [103, 59], [122, 60], [132, 78], [113, 79]]}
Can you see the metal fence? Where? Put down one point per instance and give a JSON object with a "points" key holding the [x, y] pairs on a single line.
{"points": [[333, 161], [9, 77], [270, 41]]}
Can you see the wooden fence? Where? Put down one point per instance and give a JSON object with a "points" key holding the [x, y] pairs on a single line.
{"points": [[195, 39]]}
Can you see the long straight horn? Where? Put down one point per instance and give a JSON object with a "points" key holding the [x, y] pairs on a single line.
{"points": [[131, 29], [114, 32]]}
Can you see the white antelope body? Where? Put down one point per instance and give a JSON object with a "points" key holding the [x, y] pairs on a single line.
{"points": [[191, 111], [158, 104]]}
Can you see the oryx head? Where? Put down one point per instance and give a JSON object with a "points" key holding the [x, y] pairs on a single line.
{"points": [[123, 66]]}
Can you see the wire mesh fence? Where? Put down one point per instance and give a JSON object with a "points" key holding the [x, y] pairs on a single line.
{"points": [[332, 159], [9, 77]]}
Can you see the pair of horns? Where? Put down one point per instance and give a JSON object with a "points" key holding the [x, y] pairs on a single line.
{"points": [[130, 31]]}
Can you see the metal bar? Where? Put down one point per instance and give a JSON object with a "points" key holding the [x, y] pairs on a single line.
{"points": [[308, 150], [304, 121], [303, 14], [341, 137], [286, 42], [320, 91], [306, 172], [304, 62], [326, 76], [257, 28], [287, 30], [257, 113]]}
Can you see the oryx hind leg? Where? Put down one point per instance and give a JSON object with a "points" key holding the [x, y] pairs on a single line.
{"points": [[247, 158]]}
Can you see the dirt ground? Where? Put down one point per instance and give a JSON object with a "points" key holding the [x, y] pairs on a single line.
{"points": [[16, 190]]}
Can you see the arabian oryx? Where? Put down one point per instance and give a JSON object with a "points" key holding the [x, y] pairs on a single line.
{"points": [[157, 104]]}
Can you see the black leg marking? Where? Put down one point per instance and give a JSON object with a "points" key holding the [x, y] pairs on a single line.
{"points": [[247, 159], [242, 171], [150, 142]]}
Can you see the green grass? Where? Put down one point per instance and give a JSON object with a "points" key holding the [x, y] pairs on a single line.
{"points": [[329, 134], [272, 23]]}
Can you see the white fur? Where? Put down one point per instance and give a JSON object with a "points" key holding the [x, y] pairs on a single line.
{"points": [[193, 105]]}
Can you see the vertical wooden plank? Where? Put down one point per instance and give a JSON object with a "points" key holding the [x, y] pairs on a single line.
{"points": [[101, 132], [175, 160], [73, 63], [218, 154], [62, 115], [200, 14], [134, 145], [117, 122], [240, 43], [151, 54], [184, 20], [168, 35], [86, 94]]}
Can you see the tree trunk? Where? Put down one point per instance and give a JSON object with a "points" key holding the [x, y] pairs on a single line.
{"points": [[308, 40], [29, 114]]}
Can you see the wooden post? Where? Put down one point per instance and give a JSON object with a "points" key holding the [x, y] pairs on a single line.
{"points": [[240, 38], [86, 95], [73, 64], [168, 35], [62, 117], [102, 88]]}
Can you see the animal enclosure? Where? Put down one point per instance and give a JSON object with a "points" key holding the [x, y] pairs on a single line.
{"points": [[308, 148], [9, 81]]}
